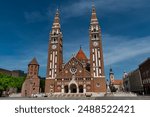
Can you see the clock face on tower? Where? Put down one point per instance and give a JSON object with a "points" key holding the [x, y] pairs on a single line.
{"points": [[95, 44], [54, 46]]}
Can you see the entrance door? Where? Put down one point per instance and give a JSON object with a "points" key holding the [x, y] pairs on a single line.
{"points": [[73, 88], [81, 89], [66, 89]]}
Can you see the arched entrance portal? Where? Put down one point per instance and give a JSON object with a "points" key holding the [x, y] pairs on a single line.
{"points": [[81, 89], [73, 88], [66, 89]]}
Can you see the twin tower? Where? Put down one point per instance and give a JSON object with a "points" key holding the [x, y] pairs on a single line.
{"points": [[80, 74]]}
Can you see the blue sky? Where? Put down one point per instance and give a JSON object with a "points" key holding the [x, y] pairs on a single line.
{"points": [[25, 27]]}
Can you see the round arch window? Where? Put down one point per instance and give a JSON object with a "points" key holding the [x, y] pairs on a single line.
{"points": [[97, 84], [73, 70]]}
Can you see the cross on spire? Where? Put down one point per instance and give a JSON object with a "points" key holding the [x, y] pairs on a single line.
{"points": [[93, 17], [80, 47], [93, 3]]}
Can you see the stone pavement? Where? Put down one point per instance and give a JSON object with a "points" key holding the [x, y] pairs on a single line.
{"points": [[108, 96], [121, 94], [78, 98]]}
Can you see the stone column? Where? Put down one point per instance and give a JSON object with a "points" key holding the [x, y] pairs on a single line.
{"points": [[84, 88], [69, 90], [62, 86], [77, 89], [62, 89]]}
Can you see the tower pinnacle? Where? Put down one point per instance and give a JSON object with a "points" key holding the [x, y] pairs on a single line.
{"points": [[111, 71], [94, 16], [93, 3], [33, 62], [56, 23]]}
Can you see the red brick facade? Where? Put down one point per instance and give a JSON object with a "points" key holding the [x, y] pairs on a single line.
{"points": [[79, 74], [31, 84]]}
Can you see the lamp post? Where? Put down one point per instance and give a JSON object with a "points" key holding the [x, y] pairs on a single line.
{"points": [[107, 86]]}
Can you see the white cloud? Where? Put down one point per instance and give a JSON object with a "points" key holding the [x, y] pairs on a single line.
{"points": [[119, 48], [80, 8], [116, 49], [39, 15], [21, 61], [83, 7], [35, 16], [13, 63]]}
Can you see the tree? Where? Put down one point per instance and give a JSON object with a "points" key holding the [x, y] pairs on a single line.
{"points": [[1, 90], [9, 82]]}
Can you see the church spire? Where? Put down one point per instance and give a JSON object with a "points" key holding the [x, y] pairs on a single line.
{"points": [[111, 71], [55, 51], [56, 19], [56, 24], [94, 16], [96, 53]]}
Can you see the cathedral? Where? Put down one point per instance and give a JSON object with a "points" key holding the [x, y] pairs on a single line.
{"points": [[80, 74]]}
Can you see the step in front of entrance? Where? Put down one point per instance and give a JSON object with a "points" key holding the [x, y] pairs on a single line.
{"points": [[67, 95]]}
